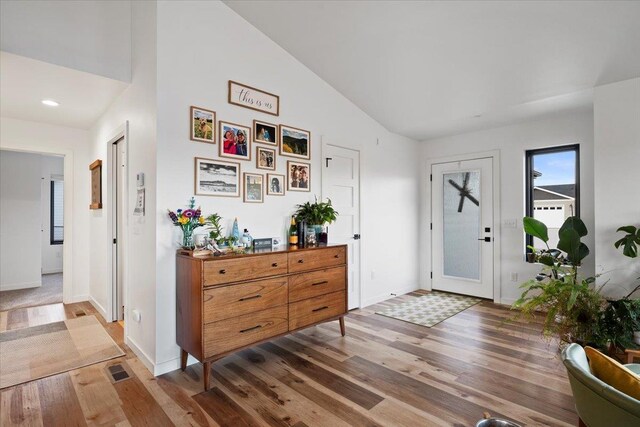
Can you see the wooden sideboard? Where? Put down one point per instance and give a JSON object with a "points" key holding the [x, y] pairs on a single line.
{"points": [[231, 302]]}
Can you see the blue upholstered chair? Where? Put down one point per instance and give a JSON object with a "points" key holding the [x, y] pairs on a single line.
{"points": [[597, 403]]}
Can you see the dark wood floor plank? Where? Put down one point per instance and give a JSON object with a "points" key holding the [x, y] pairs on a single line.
{"points": [[351, 391], [223, 409], [139, 406], [59, 403]]}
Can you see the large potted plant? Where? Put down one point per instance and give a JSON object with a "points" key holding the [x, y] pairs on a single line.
{"points": [[317, 215], [620, 320], [571, 304]]}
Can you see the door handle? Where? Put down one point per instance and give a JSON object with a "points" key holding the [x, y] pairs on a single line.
{"points": [[356, 237], [486, 239]]}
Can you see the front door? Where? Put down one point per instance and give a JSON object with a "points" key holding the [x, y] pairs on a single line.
{"points": [[341, 184], [462, 221]]}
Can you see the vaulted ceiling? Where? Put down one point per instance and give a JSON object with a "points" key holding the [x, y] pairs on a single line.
{"points": [[425, 69]]}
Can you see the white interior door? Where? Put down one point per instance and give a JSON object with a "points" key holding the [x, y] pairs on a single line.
{"points": [[341, 184], [462, 227], [118, 215]]}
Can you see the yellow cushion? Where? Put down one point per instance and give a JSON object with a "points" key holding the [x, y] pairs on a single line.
{"points": [[613, 373]]}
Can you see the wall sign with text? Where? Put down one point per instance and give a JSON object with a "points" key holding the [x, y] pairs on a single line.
{"points": [[255, 99]]}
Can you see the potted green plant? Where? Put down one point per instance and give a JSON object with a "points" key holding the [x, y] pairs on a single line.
{"points": [[571, 304], [316, 215], [620, 321]]}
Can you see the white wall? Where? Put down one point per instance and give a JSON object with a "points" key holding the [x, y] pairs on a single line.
{"points": [[52, 166], [92, 36], [190, 74], [21, 135], [617, 151], [20, 213], [512, 142], [137, 105]]}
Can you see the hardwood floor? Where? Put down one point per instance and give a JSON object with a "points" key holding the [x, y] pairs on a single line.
{"points": [[385, 372]]}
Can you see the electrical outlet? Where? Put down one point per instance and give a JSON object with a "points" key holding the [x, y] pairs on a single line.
{"points": [[514, 277], [137, 317]]}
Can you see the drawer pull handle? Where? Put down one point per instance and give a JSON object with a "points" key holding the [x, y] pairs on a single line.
{"points": [[336, 256], [320, 309], [300, 261], [223, 271], [248, 298], [251, 329], [320, 283], [275, 264]]}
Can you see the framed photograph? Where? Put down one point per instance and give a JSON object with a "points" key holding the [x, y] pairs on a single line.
{"points": [[255, 99], [265, 133], [235, 141], [295, 142], [298, 176], [266, 158], [203, 124], [253, 188], [217, 178], [275, 184], [96, 184]]}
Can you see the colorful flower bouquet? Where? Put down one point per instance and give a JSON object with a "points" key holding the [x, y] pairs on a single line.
{"points": [[188, 219]]}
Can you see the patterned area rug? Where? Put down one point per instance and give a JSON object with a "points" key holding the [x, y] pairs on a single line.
{"points": [[430, 309], [40, 351]]}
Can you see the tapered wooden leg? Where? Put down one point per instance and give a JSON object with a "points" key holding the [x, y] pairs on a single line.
{"points": [[183, 359], [206, 368], [342, 329]]}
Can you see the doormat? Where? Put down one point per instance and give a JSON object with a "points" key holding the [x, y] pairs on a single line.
{"points": [[40, 351], [430, 309]]}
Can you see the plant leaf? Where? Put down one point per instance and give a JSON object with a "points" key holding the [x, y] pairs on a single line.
{"points": [[570, 243], [575, 223], [535, 228]]}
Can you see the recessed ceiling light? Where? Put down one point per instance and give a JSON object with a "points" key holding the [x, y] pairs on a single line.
{"points": [[50, 102]]}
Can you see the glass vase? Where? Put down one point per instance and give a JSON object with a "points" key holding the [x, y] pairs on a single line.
{"points": [[187, 238]]}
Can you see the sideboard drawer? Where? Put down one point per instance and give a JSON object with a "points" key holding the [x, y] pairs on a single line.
{"points": [[217, 272], [317, 258], [312, 310], [315, 283], [235, 300], [226, 335]]}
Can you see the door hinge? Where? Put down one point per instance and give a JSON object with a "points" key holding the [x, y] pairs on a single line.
{"points": [[432, 274], [327, 160], [431, 177], [431, 226], [115, 241]]}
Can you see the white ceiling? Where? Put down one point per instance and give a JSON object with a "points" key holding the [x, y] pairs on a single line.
{"points": [[25, 82], [426, 69]]}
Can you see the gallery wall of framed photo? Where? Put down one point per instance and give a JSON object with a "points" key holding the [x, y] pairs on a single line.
{"points": [[254, 160]]}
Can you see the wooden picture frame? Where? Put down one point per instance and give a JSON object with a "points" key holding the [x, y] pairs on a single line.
{"points": [[294, 142], [262, 130], [253, 98], [298, 176], [274, 189], [229, 150], [266, 158], [199, 124], [96, 184], [253, 191], [222, 178]]}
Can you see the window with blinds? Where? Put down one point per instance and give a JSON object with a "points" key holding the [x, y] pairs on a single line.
{"points": [[57, 212]]}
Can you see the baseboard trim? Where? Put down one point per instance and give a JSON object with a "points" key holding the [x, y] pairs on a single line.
{"points": [[98, 307], [172, 365], [80, 298], [146, 360], [18, 286], [506, 301], [383, 297], [56, 271]]}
